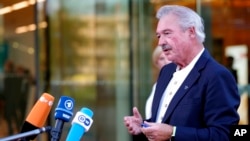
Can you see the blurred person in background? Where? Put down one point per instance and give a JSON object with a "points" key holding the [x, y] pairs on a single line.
{"points": [[159, 60], [229, 65], [14, 95]]}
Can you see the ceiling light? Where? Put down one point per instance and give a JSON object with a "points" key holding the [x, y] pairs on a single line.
{"points": [[5, 10], [20, 5]]}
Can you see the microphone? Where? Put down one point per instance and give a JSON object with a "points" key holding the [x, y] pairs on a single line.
{"points": [[80, 124], [63, 113], [38, 115]]}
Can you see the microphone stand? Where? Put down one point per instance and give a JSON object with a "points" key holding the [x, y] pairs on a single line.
{"points": [[57, 131], [26, 134]]}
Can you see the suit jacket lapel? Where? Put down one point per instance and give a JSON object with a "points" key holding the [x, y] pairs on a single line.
{"points": [[187, 84], [182, 91], [164, 77]]}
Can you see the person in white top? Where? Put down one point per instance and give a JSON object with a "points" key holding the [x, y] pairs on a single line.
{"points": [[159, 60]]}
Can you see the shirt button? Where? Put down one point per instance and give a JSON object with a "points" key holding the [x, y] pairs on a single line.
{"points": [[175, 82], [166, 105], [170, 93]]}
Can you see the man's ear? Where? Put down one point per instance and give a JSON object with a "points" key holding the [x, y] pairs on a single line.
{"points": [[191, 31]]}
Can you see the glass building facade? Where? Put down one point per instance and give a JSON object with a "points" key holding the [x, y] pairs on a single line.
{"points": [[99, 53]]}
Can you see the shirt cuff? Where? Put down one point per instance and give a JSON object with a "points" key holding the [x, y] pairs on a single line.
{"points": [[174, 130]]}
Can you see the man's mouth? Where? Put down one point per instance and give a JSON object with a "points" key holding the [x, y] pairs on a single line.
{"points": [[165, 47]]}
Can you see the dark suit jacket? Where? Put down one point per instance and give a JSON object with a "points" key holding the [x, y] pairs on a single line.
{"points": [[205, 105]]}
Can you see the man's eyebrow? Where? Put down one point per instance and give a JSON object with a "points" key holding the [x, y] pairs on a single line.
{"points": [[162, 31]]}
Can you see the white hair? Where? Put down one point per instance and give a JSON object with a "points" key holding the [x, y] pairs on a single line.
{"points": [[187, 18]]}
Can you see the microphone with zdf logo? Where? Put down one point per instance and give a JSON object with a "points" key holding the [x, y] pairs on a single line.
{"points": [[80, 124], [38, 115], [63, 113]]}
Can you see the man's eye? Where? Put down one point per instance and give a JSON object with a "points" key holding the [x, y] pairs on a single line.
{"points": [[166, 33]]}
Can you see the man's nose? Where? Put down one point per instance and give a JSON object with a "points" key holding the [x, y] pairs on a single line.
{"points": [[161, 41]]}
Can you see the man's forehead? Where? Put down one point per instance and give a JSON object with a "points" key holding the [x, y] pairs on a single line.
{"points": [[167, 23]]}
